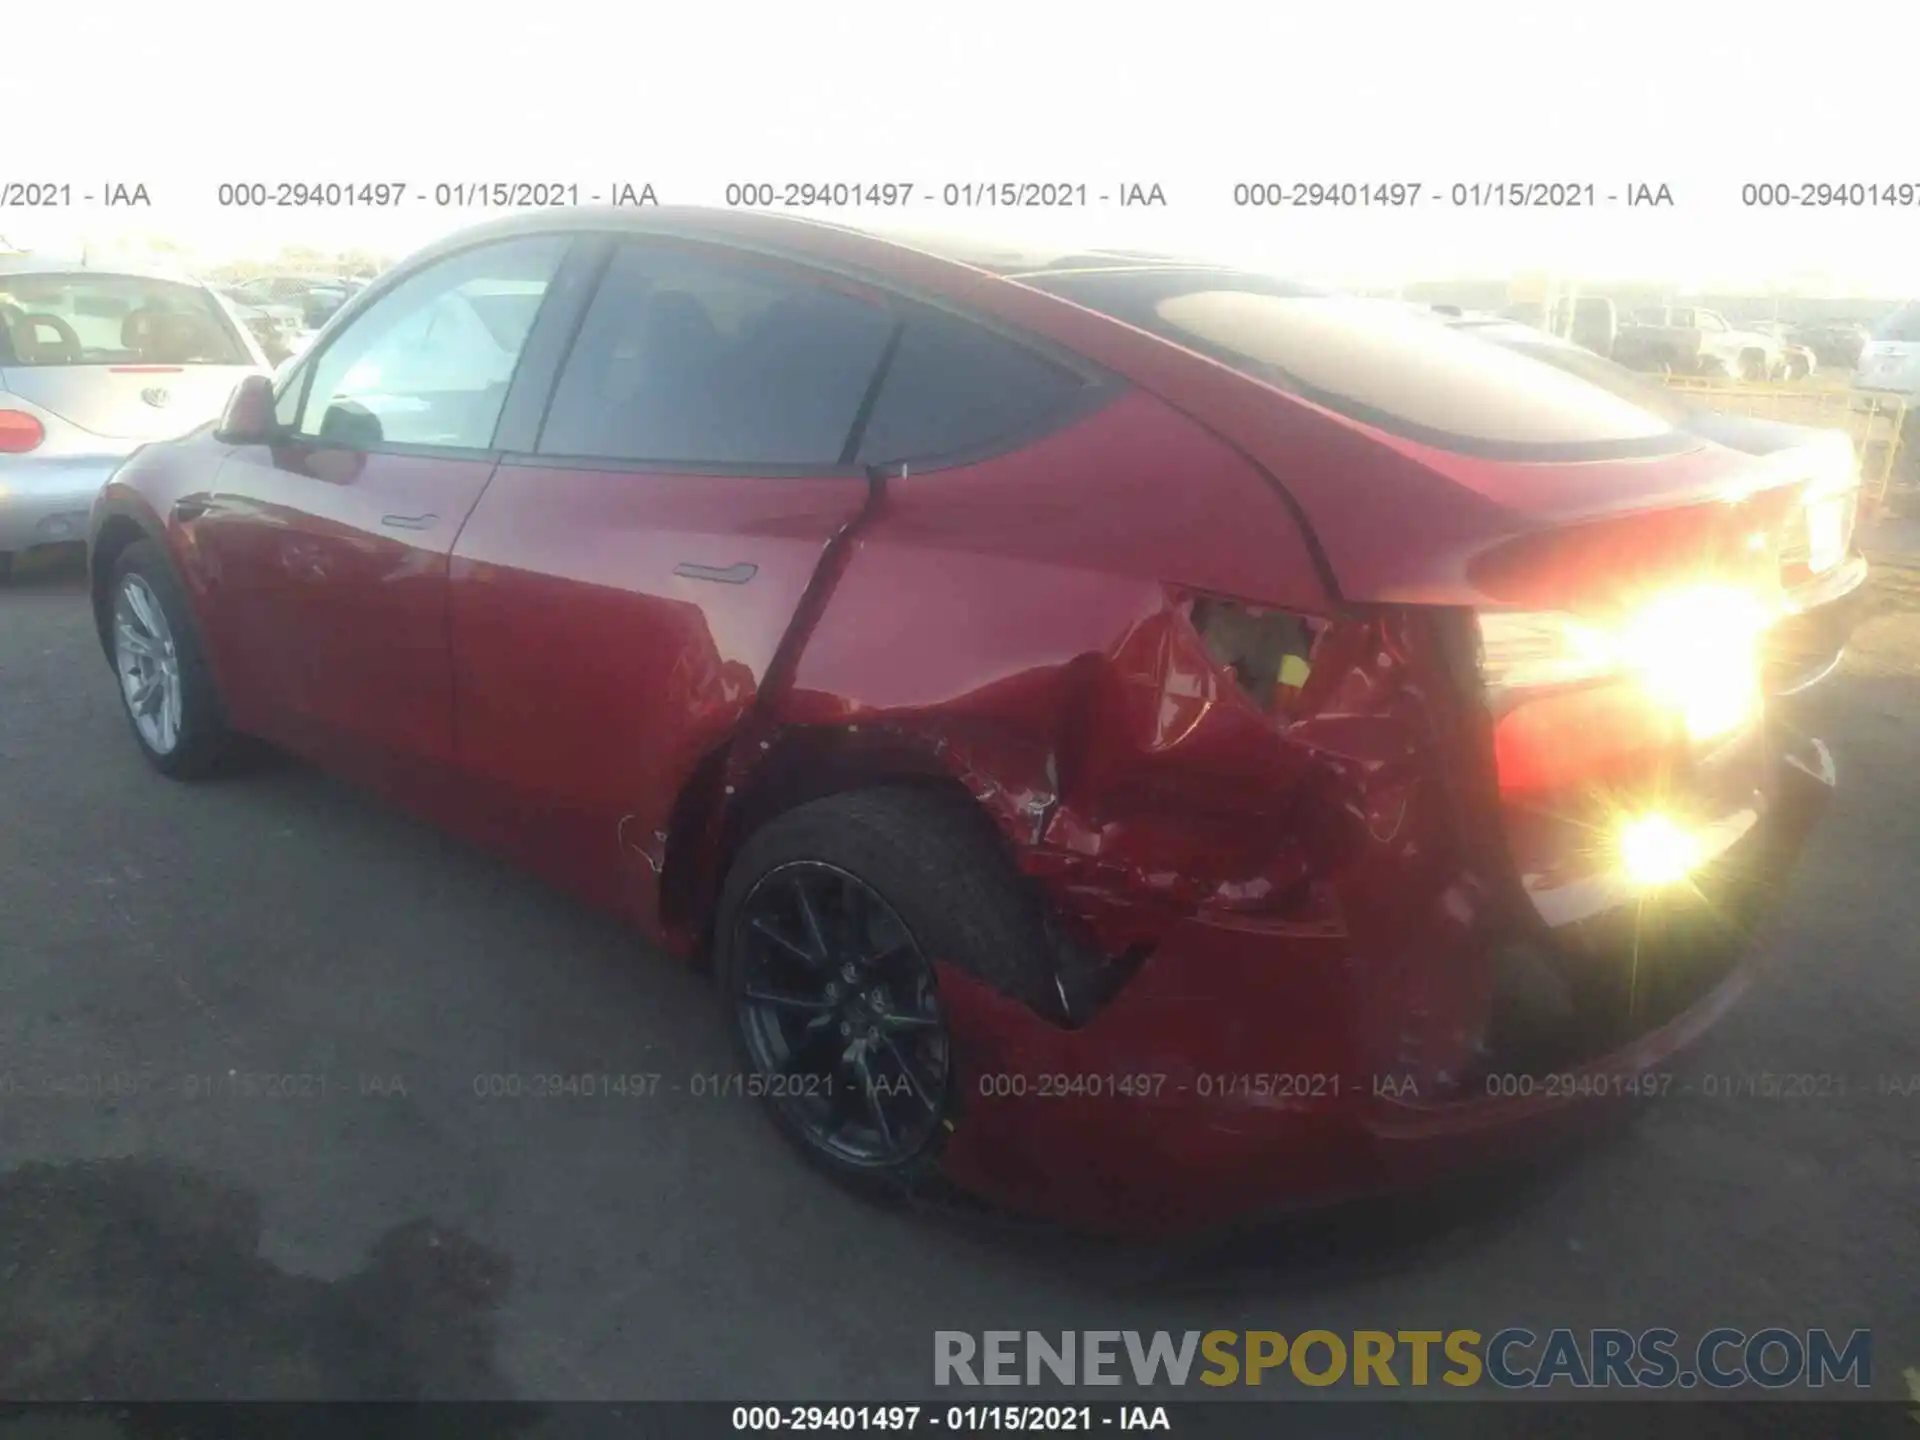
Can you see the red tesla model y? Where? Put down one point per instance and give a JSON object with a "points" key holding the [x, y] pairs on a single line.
{"points": [[1139, 741]]}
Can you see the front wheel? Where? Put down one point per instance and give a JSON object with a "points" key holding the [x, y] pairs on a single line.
{"points": [[825, 938], [166, 685]]}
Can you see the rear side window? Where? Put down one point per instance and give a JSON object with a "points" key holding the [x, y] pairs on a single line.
{"points": [[1378, 363], [96, 319], [952, 387], [1902, 327], [699, 359]]}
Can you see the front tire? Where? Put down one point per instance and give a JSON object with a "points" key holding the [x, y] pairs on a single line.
{"points": [[824, 939], [166, 685]]}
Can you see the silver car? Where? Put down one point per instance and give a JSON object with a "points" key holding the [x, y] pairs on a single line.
{"points": [[94, 363]]}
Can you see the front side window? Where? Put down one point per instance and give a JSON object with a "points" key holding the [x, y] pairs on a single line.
{"points": [[87, 318], [429, 363], [698, 359]]}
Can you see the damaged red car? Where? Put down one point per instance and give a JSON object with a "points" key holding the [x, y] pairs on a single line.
{"points": [[1140, 742]]}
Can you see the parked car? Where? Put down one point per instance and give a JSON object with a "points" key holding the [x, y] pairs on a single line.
{"points": [[1823, 572], [1889, 370], [1797, 360], [93, 364], [316, 297], [1140, 742], [1688, 340], [1889, 363], [278, 329], [1836, 343]]}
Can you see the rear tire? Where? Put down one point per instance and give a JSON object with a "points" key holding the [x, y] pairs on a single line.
{"points": [[928, 877], [166, 685]]}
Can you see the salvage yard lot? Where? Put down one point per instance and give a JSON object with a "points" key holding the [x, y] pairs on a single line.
{"points": [[378, 1224]]}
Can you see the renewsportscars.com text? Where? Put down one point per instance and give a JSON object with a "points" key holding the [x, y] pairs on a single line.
{"points": [[1513, 1359]]}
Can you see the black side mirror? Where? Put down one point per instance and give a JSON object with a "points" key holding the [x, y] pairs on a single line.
{"points": [[249, 417]]}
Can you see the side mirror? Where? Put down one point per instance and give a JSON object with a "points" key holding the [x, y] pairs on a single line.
{"points": [[249, 417]]}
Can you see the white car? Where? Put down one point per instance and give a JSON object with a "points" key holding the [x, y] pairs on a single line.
{"points": [[94, 363], [1890, 361], [1889, 370]]}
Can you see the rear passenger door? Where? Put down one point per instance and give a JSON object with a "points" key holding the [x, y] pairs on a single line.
{"points": [[618, 594]]}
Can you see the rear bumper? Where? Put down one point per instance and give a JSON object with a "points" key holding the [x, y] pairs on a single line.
{"points": [[45, 501], [1253, 1068], [1692, 964]]}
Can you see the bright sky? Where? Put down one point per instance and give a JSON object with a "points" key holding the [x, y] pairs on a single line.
{"points": [[1195, 96]]}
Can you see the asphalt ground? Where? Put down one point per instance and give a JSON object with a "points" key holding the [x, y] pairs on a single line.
{"points": [[388, 1229]]}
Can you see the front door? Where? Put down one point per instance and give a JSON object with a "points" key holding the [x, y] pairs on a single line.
{"points": [[333, 544]]}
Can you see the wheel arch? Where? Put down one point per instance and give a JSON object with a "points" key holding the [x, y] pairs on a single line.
{"points": [[727, 798], [118, 531]]}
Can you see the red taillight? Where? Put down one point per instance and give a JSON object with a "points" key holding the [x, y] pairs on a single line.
{"points": [[1581, 701], [20, 432], [1578, 739]]}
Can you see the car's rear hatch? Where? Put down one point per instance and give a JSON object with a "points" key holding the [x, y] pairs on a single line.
{"points": [[127, 402], [123, 357], [1607, 576], [1416, 453]]}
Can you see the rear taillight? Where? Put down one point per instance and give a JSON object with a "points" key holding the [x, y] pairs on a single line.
{"points": [[1533, 650], [1833, 507], [20, 432], [1692, 653]]}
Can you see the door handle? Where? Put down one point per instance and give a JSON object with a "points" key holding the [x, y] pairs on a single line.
{"points": [[409, 522], [726, 575]]}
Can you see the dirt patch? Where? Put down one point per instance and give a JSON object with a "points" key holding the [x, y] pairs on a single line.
{"points": [[1895, 587], [141, 1280]]}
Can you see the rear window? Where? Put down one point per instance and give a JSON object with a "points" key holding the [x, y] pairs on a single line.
{"points": [[1377, 363], [1902, 327], [90, 319], [1614, 378]]}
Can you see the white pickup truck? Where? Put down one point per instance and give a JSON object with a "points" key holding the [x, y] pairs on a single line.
{"points": [[1689, 340]]}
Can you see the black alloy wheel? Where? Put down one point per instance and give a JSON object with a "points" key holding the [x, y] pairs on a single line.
{"points": [[837, 1007]]}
